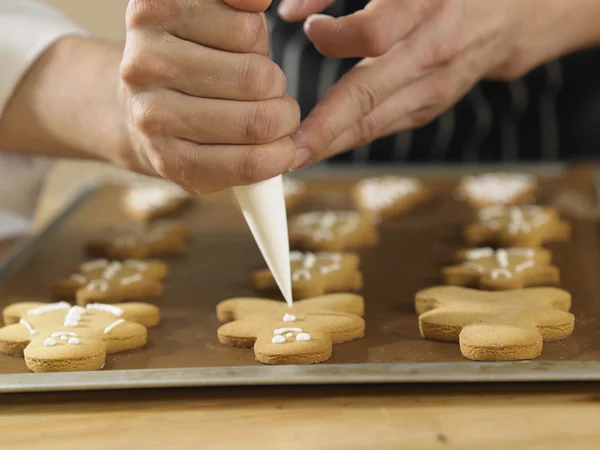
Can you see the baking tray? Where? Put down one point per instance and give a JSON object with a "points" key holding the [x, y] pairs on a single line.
{"points": [[184, 351]]}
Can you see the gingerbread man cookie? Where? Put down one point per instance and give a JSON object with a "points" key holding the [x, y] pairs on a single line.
{"points": [[145, 203], [316, 274], [294, 191], [332, 231], [502, 269], [112, 282], [495, 326], [303, 334], [380, 198], [517, 226], [58, 337], [489, 189], [141, 241]]}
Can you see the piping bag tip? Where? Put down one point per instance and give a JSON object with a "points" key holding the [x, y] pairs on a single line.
{"points": [[263, 207]]}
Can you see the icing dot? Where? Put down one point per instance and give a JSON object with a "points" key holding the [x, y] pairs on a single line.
{"points": [[278, 339], [74, 341], [64, 337], [289, 335], [303, 337], [49, 342], [289, 317]]}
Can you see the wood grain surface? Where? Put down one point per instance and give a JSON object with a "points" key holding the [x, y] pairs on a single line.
{"points": [[491, 417]]}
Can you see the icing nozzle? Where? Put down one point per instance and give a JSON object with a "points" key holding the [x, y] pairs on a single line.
{"points": [[263, 207]]}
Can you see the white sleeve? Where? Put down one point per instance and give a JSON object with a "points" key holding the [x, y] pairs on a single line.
{"points": [[27, 29]]}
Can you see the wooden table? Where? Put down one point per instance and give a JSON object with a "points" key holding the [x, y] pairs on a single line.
{"points": [[490, 417]]}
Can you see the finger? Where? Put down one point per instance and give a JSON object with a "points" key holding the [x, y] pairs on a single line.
{"points": [[201, 71], [210, 23], [210, 121], [209, 168], [410, 108], [371, 31], [297, 10]]}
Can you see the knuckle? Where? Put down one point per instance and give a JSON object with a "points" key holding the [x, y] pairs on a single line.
{"points": [[249, 33], [145, 13], [148, 116], [261, 124], [259, 76], [141, 66], [442, 52], [250, 165], [421, 117], [365, 131], [366, 97]]}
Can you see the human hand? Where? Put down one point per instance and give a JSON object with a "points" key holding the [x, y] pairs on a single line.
{"points": [[420, 58], [207, 108]]}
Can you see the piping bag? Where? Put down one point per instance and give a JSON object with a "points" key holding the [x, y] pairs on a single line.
{"points": [[263, 207]]}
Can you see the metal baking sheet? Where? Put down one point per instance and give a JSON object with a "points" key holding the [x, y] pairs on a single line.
{"points": [[184, 351]]}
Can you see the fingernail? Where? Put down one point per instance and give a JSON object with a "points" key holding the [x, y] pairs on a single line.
{"points": [[286, 7], [302, 158]]}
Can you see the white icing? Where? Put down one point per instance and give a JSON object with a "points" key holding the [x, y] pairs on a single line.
{"points": [[28, 326], [49, 342], [131, 279], [74, 341], [382, 192], [78, 278], [497, 273], [303, 337], [115, 310], [502, 257], [94, 265], [289, 317], [320, 226], [116, 323], [48, 308], [310, 260], [288, 335], [478, 253], [137, 265], [285, 330], [278, 339], [498, 188], [524, 265], [98, 285], [62, 334], [63, 338], [148, 198], [114, 268], [520, 219]]}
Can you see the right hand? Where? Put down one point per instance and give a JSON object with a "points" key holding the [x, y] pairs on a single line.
{"points": [[207, 107]]}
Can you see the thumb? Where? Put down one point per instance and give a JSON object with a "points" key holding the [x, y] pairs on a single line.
{"points": [[297, 10], [254, 6]]}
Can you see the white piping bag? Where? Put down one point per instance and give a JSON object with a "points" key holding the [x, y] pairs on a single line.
{"points": [[263, 206]]}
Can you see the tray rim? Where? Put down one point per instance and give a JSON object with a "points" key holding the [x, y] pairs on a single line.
{"points": [[331, 374]]}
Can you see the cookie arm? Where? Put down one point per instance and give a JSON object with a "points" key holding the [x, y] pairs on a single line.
{"points": [[14, 338], [346, 303]]}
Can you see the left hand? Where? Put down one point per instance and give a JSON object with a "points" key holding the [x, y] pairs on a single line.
{"points": [[420, 58]]}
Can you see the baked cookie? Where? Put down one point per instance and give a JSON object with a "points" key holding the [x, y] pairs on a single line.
{"points": [[145, 203], [303, 334], [294, 191], [139, 241], [502, 269], [331, 231], [58, 337], [495, 326], [380, 198], [490, 189], [101, 281], [517, 226], [316, 274]]}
